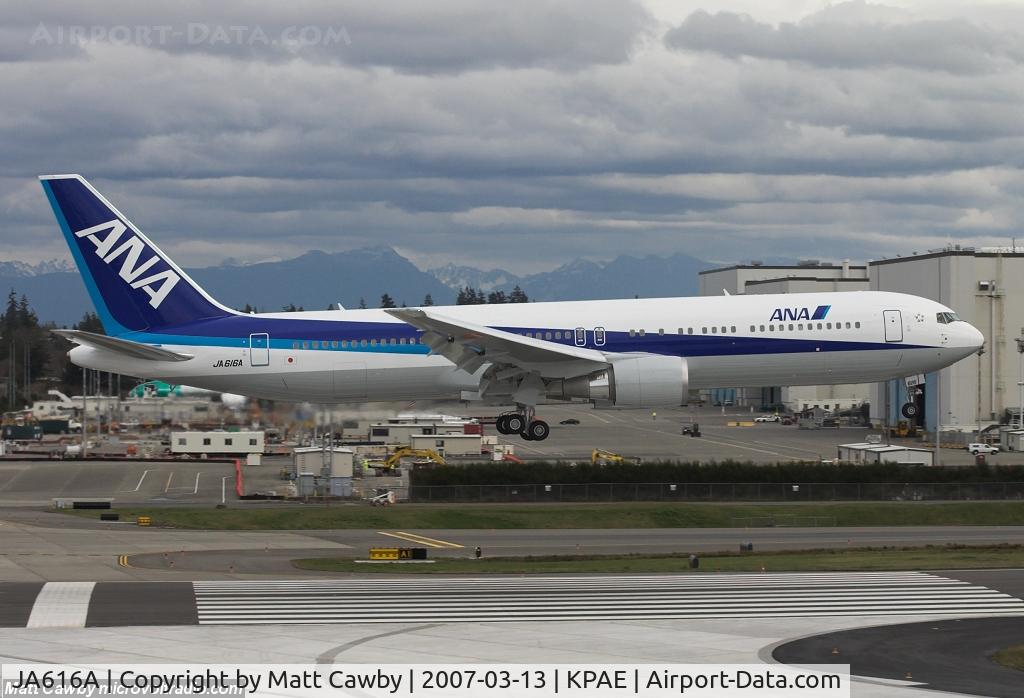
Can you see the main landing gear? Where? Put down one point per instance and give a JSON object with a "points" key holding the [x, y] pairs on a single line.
{"points": [[524, 424]]}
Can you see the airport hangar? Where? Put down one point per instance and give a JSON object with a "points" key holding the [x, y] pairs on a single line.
{"points": [[978, 283]]}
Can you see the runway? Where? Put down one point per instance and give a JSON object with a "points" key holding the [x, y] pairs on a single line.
{"points": [[498, 599]]}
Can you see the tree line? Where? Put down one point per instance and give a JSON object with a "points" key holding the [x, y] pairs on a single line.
{"points": [[33, 359], [467, 296]]}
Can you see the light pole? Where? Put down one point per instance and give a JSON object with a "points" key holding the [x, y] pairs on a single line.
{"points": [[1020, 380]]}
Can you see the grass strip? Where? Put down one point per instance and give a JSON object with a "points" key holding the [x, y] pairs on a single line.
{"points": [[568, 516], [1012, 657], [856, 559]]}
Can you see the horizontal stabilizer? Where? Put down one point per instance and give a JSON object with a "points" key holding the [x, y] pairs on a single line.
{"points": [[124, 347]]}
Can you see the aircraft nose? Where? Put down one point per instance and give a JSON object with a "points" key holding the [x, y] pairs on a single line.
{"points": [[973, 337]]}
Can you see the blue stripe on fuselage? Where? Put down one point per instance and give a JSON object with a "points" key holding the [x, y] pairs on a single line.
{"points": [[299, 334]]}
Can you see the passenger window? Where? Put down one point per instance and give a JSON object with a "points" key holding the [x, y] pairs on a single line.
{"points": [[661, 330], [362, 343], [394, 341], [819, 325], [828, 325], [703, 330], [316, 344], [599, 336], [547, 335], [724, 330], [558, 335], [762, 328], [295, 345], [857, 325], [632, 333], [847, 325], [642, 332], [714, 330], [334, 344], [791, 327], [733, 329], [771, 328], [689, 330], [752, 329], [305, 345], [581, 336], [800, 327]]}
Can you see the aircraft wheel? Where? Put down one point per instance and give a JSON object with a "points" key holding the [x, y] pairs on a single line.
{"points": [[515, 423], [909, 410], [501, 424], [538, 430]]}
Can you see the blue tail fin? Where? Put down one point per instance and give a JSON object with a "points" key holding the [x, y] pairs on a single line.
{"points": [[134, 286]]}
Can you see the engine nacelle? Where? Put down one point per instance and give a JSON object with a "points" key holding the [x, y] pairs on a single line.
{"points": [[643, 381]]}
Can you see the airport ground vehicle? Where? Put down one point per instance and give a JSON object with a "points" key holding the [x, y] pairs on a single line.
{"points": [[768, 418], [628, 352], [976, 448], [424, 454], [570, 421], [600, 456]]}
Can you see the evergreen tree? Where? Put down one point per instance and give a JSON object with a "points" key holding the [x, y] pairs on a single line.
{"points": [[11, 313], [497, 297], [518, 296], [386, 301], [362, 304], [428, 300], [90, 322], [26, 318]]}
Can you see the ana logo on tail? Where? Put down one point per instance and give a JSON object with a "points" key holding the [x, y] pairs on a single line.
{"points": [[157, 286]]}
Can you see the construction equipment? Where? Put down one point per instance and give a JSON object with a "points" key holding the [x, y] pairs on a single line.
{"points": [[600, 456], [423, 453], [384, 499]]}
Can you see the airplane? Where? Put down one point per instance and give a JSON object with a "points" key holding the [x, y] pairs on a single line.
{"points": [[649, 353]]}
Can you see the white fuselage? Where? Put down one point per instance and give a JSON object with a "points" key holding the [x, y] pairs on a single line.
{"points": [[368, 355]]}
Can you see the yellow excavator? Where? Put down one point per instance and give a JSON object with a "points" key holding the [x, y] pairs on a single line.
{"points": [[422, 453], [599, 456]]}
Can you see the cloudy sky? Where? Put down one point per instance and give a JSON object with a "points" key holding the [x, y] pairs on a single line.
{"points": [[520, 135]]}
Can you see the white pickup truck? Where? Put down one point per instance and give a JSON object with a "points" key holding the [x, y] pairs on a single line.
{"points": [[977, 448]]}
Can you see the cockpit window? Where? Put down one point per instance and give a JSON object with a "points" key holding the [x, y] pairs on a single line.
{"points": [[946, 318]]}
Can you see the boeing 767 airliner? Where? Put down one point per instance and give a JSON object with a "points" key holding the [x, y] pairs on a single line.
{"points": [[636, 353]]}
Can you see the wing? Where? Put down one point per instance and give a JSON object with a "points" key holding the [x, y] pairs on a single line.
{"points": [[124, 347], [469, 346]]}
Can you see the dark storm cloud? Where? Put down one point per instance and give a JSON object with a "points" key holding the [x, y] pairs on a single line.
{"points": [[406, 35], [956, 45], [521, 136]]}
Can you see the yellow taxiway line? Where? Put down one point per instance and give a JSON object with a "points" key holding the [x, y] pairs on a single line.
{"points": [[422, 540]]}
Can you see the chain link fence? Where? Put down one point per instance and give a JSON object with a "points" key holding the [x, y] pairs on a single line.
{"points": [[721, 492]]}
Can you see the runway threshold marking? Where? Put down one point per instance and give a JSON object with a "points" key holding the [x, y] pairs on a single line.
{"points": [[422, 540], [61, 605]]}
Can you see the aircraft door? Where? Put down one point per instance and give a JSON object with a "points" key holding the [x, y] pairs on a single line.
{"points": [[893, 325], [259, 349]]}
